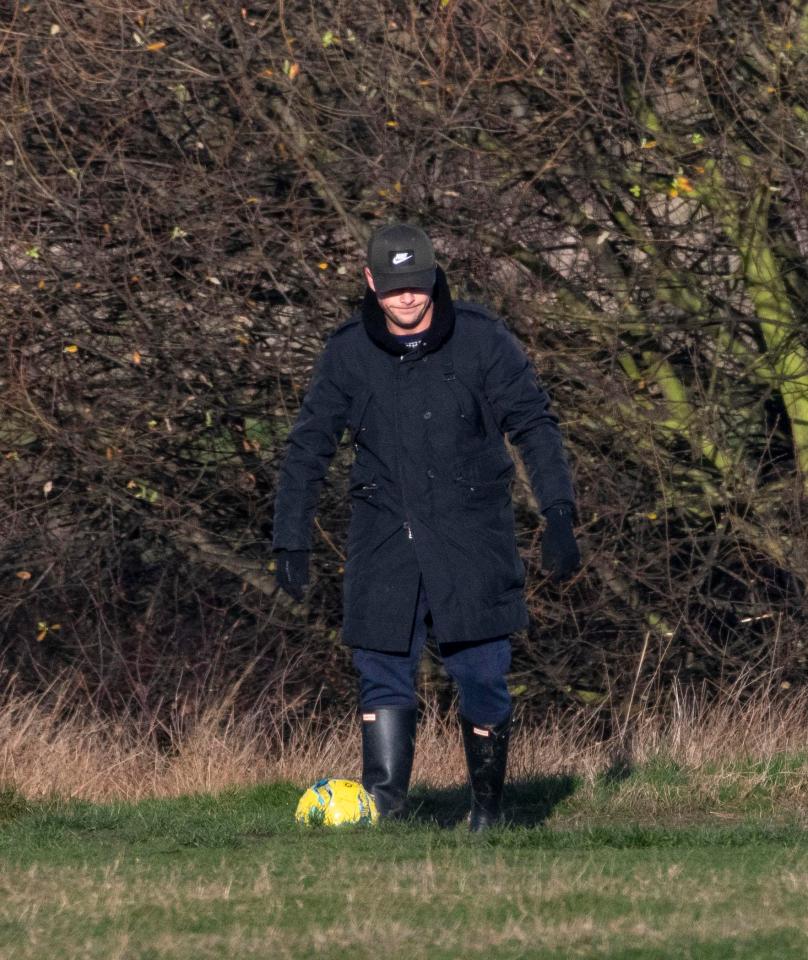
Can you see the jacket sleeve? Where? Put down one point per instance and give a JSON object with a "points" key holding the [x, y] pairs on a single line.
{"points": [[312, 443], [522, 410]]}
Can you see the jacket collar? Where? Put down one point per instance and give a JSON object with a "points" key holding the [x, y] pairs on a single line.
{"points": [[436, 334]]}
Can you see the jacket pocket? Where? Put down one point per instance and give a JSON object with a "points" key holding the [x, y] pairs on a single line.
{"points": [[485, 479], [365, 511], [468, 406], [489, 469], [363, 486], [357, 416]]}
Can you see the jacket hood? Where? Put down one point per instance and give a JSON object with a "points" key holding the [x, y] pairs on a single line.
{"points": [[438, 332]]}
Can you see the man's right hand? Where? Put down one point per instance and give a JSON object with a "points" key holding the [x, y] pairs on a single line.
{"points": [[293, 572]]}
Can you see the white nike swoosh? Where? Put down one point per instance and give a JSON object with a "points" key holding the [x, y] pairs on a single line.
{"points": [[401, 258]]}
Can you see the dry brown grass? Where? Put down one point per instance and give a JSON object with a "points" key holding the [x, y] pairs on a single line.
{"points": [[52, 744]]}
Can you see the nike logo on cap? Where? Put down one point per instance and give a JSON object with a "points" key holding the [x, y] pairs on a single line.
{"points": [[400, 258]]}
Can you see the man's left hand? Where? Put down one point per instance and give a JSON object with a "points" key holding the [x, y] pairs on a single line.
{"points": [[560, 555]]}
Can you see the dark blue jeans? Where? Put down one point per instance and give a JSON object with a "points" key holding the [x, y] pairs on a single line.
{"points": [[478, 669]]}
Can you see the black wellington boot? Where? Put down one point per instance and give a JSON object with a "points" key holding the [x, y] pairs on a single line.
{"points": [[388, 747], [487, 757]]}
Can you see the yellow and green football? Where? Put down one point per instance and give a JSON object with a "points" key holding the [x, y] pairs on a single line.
{"points": [[334, 803]]}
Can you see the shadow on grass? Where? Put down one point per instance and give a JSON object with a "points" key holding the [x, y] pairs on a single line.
{"points": [[526, 803], [620, 768]]}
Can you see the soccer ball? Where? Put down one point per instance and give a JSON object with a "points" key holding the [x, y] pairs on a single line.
{"points": [[333, 803]]}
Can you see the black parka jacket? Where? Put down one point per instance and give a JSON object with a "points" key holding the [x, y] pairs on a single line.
{"points": [[430, 483]]}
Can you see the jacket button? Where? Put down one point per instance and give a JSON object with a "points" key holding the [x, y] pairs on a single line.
{"points": [[431, 474], [427, 415]]}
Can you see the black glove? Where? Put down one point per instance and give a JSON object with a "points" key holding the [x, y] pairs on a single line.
{"points": [[560, 555], [293, 572]]}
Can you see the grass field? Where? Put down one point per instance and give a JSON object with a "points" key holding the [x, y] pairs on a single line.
{"points": [[683, 835], [656, 861]]}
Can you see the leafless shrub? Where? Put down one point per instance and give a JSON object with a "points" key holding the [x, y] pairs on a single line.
{"points": [[186, 191]]}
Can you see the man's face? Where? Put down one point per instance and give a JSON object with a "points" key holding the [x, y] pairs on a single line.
{"points": [[409, 308]]}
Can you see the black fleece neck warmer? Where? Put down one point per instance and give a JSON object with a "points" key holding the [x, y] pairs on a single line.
{"points": [[438, 332]]}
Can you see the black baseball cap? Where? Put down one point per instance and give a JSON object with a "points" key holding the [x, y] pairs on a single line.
{"points": [[401, 255]]}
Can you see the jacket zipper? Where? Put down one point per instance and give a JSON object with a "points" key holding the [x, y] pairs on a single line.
{"points": [[406, 524]]}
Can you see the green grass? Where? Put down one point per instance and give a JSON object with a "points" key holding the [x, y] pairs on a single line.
{"points": [[640, 865]]}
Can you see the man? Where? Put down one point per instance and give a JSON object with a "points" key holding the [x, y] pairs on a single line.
{"points": [[428, 388]]}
